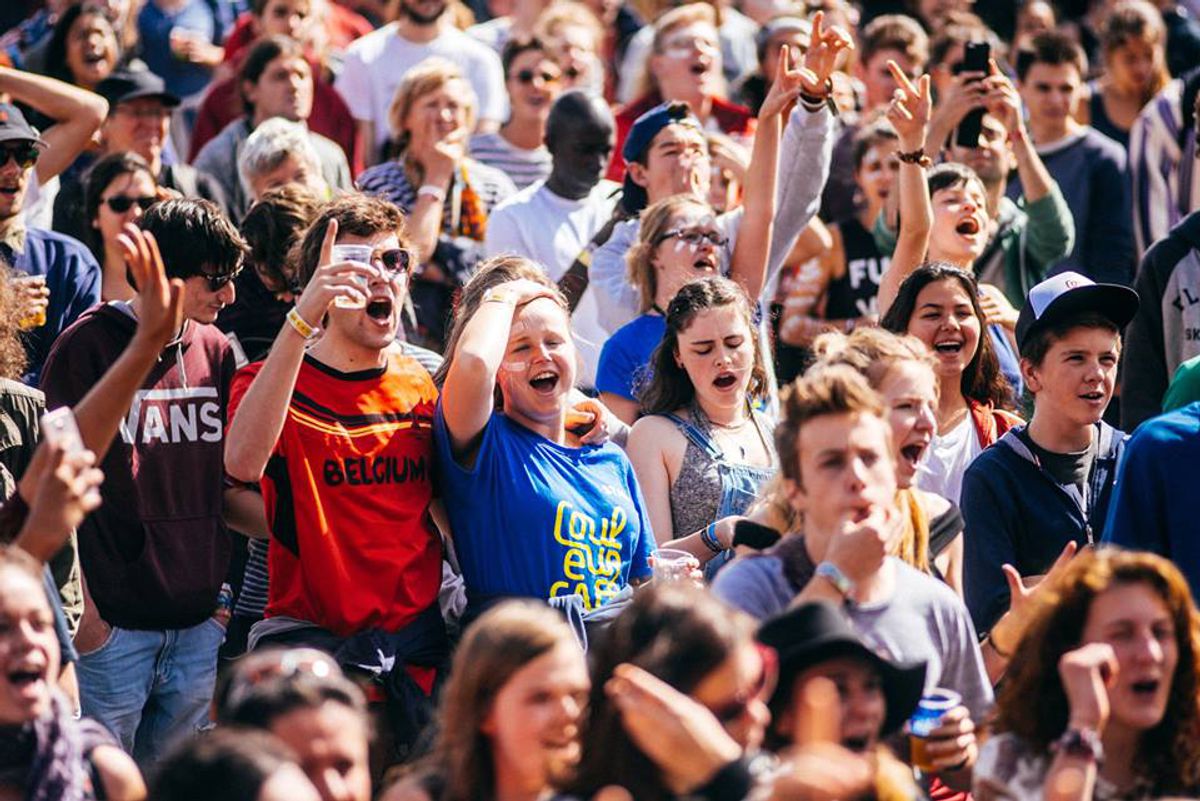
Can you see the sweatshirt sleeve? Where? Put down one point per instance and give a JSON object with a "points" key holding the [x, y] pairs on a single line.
{"points": [[804, 158], [1135, 512], [988, 543], [1154, 157], [616, 297], [1049, 233], [1108, 240], [1144, 369]]}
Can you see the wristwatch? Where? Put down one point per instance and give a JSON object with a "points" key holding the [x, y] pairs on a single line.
{"points": [[833, 574], [1080, 743]]}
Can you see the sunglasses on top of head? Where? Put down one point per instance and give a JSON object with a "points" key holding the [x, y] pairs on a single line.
{"points": [[26, 155]]}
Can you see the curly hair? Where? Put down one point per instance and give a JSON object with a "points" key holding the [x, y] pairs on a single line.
{"points": [[1033, 704], [982, 380], [13, 357], [670, 387]]}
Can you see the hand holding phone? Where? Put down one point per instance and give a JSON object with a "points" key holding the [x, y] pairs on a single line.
{"points": [[977, 57], [60, 429]]}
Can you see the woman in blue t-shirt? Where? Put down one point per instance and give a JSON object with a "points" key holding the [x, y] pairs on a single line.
{"points": [[535, 509]]}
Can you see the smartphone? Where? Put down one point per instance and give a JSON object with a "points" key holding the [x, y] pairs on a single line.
{"points": [[59, 429], [977, 57]]}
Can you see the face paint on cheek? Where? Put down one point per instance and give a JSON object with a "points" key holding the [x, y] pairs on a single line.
{"points": [[514, 366]]}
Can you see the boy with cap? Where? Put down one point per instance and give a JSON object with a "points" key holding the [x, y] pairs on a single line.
{"points": [[1049, 482]]}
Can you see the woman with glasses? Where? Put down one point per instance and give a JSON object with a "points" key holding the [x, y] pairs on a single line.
{"points": [[702, 452], [445, 195], [533, 81], [679, 241], [117, 190]]}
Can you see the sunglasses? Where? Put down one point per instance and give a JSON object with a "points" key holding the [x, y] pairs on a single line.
{"points": [[25, 156], [123, 203], [289, 665], [695, 236], [219, 281], [527, 76], [396, 261], [761, 690]]}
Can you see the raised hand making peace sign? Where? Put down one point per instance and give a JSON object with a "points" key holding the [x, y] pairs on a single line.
{"points": [[910, 109]]}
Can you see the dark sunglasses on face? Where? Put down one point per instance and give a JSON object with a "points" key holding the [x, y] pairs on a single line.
{"points": [[25, 155], [218, 281], [396, 261], [761, 690], [527, 76], [119, 204], [694, 236]]}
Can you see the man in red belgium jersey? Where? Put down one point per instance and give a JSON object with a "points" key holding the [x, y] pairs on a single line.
{"points": [[338, 430]]}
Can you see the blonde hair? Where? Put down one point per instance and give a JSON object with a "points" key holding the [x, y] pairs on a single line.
{"points": [[425, 78], [639, 261], [562, 15], [688, 14]]}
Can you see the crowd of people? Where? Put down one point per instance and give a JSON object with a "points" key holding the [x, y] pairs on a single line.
{"points": [[632, 400]]}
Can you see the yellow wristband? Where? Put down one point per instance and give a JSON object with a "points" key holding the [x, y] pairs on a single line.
{"points": [[498, 295], [301, 327]]}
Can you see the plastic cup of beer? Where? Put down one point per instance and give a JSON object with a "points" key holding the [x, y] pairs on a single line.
{"points": [[934, 705], [359, 254], [673, 565], [37, 318]]}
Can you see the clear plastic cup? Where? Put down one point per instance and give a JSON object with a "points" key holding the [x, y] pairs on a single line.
{"points": [[359, 254], [673, 565]]}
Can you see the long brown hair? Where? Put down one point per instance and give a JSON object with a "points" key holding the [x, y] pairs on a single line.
{"points": [[670, 387], [501, 642], [1136, 20], [13, 358], [1033, 704]]}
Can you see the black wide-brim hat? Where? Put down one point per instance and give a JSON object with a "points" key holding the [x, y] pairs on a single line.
{"points": [[817, 632]]}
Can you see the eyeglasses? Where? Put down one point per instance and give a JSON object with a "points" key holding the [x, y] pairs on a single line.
{"points": [[761, 690], [396, 261], [528, 76], [694, 236], [218, 281], [119, 204], [25, 156], [684, 46]]}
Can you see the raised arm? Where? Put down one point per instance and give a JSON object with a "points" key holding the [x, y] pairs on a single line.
{"points": [[909, 115], [259, 419], [468, 393], [1004, 103], [749, 265], [77, 114]]}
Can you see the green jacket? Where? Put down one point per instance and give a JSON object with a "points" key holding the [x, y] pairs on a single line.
{"points": [[1031, 238]]}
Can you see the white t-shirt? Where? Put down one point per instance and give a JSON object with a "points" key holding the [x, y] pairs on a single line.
{"points": [[552, 231], [947, 460], [376, 63]]}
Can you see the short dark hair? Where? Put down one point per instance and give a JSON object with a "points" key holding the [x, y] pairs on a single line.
{"points": [[1054, 48], [263, 52], [357, 215], [228, 763], [950, 174], [1042, 339], [869, 136], [97, 179], [515, 47], [279, 696], [895, 32], [274, 224], [194, 234]]}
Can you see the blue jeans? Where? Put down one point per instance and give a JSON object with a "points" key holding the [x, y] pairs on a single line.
{"points": [[150, 687]]}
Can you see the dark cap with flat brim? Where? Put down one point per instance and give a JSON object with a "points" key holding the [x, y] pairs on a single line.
{"points": [[1068, 294], [638, 140], [15, 128], [813, 633], [125, 85]]}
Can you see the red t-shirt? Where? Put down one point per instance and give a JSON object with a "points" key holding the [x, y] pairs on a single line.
{"points": [[347, 491]]}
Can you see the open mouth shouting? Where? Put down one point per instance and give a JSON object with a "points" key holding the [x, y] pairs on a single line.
{"points": [[379, 310], [912, 451], [28, 679], [970, 227], [949, 347], [708, 261], [544, 381], [725, 380], [1146, 689]]}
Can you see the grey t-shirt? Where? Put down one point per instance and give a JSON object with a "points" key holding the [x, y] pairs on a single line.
{"points": [[923, 621]]}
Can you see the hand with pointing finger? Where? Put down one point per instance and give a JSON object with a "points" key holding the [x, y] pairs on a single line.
{"points": [[789, 83], [331, 280]]}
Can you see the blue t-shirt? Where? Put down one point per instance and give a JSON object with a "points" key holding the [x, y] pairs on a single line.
{"points": [[182, 78], [539, 520], [625, 359]]}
